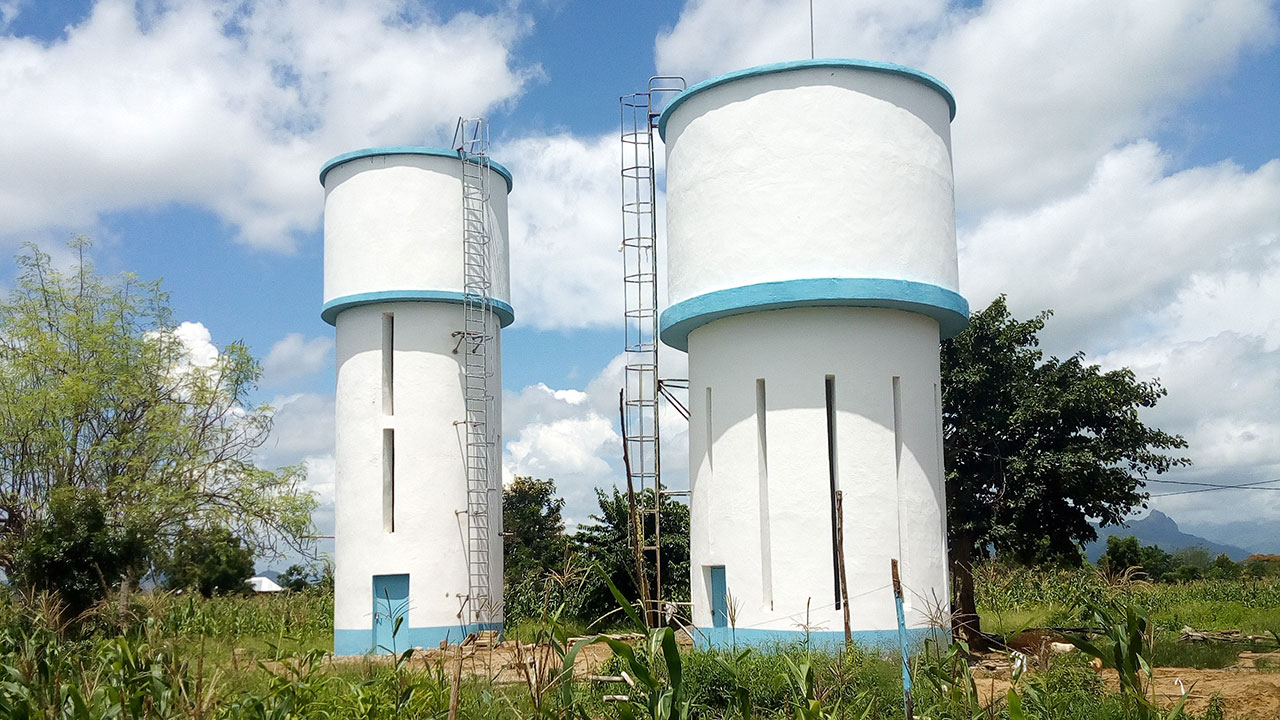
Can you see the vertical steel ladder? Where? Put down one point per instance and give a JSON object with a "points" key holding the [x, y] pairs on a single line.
{"points": [[471, 140], [640, 282]]}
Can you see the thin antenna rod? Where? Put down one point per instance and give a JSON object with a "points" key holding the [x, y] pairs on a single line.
{"points": [[811, 55]]}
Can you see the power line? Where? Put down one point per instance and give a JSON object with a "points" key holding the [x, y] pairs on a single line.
{"points": [[1214, 488], [1212, 485]]}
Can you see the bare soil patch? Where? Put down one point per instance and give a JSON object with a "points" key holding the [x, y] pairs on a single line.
{"points": [[1247, 691]]}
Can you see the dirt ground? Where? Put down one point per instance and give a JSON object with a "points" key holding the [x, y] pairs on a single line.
{"points": [[1247, 691], [505, 663]]}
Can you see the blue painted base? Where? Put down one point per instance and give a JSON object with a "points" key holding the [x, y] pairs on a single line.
{"points": [[360, 641], [879, 640]]}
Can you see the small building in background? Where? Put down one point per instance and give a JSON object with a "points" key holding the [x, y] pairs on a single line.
{"points": [[262, 584]]}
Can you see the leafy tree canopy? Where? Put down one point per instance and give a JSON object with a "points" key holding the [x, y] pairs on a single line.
{"points": [[76, 552], [295, 578], [210, 560], [535, 543], [606, 543], [98, 393], [1036, 448]]}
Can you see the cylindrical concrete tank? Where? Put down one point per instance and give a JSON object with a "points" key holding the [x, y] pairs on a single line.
{"points": [[812, 270], [393, 262]]}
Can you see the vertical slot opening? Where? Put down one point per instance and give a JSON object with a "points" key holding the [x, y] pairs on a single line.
{"points": [[388, 480], [937, 428], [710, 437], [897, 457], [762, 465], [388, 363], [831, 476]]}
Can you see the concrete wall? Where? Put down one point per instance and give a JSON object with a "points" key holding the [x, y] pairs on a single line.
{"points": [[760, 485], [810, 173], [393, 259], [385, 221]]}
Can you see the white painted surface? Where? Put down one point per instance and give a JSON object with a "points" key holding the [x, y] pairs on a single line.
{"points": [[891, 509], [394, 222], [429, 541], [813, 173]]}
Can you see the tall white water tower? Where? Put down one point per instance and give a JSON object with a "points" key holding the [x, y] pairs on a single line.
{"points": [[416, 284], [811, 269]]}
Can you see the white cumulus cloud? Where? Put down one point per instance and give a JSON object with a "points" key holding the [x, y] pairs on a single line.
{"points": [[295, 356], [566, 228], [232, 107], [198, 343]]}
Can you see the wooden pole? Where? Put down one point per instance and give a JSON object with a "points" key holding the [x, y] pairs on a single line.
{"points": [[844, 584], [455, 687], [637, 530], [902, 640]]}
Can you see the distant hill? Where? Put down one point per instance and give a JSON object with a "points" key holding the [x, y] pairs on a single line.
{"points": [[1160, 529], [1257, 536]]}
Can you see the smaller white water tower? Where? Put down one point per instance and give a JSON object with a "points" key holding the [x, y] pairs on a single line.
{"points": [[812, 271], [412, 237]]}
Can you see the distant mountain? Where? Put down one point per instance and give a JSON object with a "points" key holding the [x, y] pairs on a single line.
{"points": [[1256, 536], [1160, 529]]}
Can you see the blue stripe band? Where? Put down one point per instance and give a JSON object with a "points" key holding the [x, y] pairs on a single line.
{"points": [[947, 307], [828, 640], [872, 65], [360, 642], [406, 150], [329, 313]]}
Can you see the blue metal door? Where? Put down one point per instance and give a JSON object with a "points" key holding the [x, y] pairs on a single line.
{"points": [[390, 602], [719, 598]]}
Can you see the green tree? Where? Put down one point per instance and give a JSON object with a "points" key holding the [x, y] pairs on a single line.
{"points": [[75, 551], [607, 543], [99, 393], [1156, 563], [1037, 448], [210, 560], [1122, 553], [535, 542], [1224, 568], [1259, 565], [1196, 557], [295, 578]]}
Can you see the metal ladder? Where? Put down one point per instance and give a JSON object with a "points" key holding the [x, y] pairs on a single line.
{"points": [[471, 140], [640, 283]]}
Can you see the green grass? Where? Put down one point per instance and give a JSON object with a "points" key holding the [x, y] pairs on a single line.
{"points": [[1169, 652], [1011, 597], [231, 657]]}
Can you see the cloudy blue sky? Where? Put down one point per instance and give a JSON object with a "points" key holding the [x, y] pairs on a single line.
{"points": [[1116, 161]]}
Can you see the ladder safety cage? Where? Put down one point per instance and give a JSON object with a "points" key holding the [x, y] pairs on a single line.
{"points": [[471, 141], [641, 383]]}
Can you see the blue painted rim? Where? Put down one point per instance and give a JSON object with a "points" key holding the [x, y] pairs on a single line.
{"points": [[825, 640], [329, 313], [872, 65], [947, 307], [406, 150]]}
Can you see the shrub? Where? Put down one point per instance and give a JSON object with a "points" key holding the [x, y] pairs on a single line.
{"points": [[211, 560], [77, 551]]}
